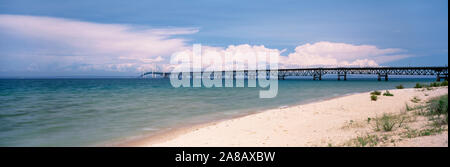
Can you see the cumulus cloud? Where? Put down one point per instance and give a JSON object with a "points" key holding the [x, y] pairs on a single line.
{"points": [[96, 45], [321, 54], [340, 54], [70, 45], [232, 57]]}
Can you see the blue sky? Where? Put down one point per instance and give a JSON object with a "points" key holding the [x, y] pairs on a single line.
{"points": [[418, 27]]}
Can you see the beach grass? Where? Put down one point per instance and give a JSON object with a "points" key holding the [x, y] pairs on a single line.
{"points": [[391, 128], [438, 110], [387, 93], [418, 85], [415, 100], [445, 83], [375, 93], [373, 98], [387, 122]]}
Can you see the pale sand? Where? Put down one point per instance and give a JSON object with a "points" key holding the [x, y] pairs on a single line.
{"points": [[314, 124]]}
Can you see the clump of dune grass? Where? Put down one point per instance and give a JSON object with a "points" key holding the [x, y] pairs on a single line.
{"points": [[445, 83], [438, 110], [387, 93], [375, 93], [415, 100], [400, 87], [369, 140], [373, 98], [386, 123], [431, 85], [413, 133], [418, 85], [391, 127], [435, 84], [408, 108]]}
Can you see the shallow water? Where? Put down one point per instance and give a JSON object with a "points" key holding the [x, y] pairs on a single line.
{"points": [[89, 112]]}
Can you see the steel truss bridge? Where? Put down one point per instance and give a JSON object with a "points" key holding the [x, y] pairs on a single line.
{"points": [[317, 73]]}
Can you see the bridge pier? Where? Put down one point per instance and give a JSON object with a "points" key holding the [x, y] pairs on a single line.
{"points": [[317, 76], [439, 77], [383, 75], [344, 75]]}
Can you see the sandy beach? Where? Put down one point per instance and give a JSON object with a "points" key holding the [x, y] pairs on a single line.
{"points": [[333, 122]]}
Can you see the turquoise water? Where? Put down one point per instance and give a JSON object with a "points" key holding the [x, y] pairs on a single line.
{"points": [[91, 112]]}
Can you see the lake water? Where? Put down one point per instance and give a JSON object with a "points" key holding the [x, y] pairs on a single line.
{"points": [[91, 112]]}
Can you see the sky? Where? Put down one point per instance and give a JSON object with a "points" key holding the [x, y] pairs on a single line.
{"points": [[124, 38]]}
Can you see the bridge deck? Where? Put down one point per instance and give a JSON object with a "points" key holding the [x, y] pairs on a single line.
{"points": [[317, 73]]}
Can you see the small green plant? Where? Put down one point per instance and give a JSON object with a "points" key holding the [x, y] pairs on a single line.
{"points": [[445, 83], [437, 108], [408, 108], [400, 87], [418, 85], [375, 93], [369, 140], [387, 93], [373, 98], [387, 122], [402, 119], [415, 100], [435, 84], [412, 133]]}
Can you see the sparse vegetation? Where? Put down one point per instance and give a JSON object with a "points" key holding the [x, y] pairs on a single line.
{"points": [[369, 140], [431, 85], [418, 85], [387, 93], [375, 93], [408, 108], [415, 100], [445, 83], [390, 128], [400, 87], [412, 133], [353, 124], [373, 98], [435, 84], [386, 122], [438, 110]]}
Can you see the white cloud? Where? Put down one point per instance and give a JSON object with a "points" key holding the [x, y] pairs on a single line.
{"points": [[97, 44], [76, 45], [242, 54], [321, 54], [340, 54]]}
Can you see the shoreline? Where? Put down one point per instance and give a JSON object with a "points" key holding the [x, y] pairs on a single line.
{"points": [[197, 133], [173, 132]]}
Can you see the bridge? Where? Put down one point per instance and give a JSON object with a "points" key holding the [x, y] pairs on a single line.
{"points": [[317, 73]]}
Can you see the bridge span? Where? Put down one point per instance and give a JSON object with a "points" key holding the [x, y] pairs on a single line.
{"points": [[317, 73]]}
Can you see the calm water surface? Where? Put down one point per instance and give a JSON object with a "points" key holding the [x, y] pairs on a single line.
{"points": [[89, 112]]}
